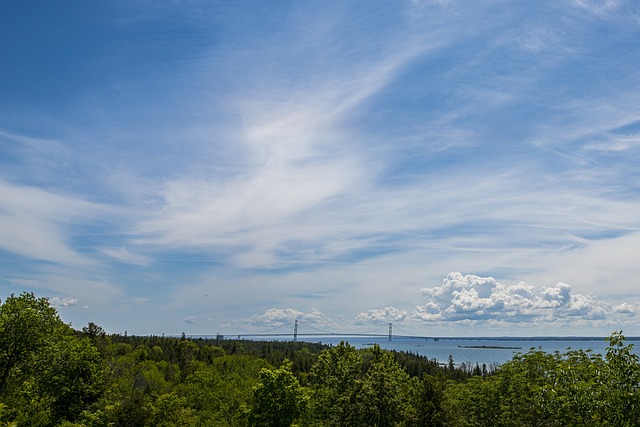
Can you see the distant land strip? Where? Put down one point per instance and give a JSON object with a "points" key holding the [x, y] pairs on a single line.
{"points": [[499, 347], [413, 337]]}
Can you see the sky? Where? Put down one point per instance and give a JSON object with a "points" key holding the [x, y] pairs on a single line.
{"points": [[452, 167]]}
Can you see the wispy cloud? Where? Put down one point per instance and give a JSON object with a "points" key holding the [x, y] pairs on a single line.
{"points": [[598, 7], [37, 223], [124, 255]]}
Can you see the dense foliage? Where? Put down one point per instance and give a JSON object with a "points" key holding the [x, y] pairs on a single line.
{"points": [[52, 375]]}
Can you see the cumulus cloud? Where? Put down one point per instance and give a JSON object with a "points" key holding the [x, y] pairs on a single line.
{"points": [[557, 296], [469, 298], [276, 317], [62, 302], [626, 308], [383, 315], [287, 316]]}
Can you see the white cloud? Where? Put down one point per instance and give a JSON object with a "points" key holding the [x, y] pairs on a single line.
{"points": [[614, 143], [626, 308], [470, 297], [36, 223], [540, 37], [277, 317], [45, 159], [383, 315], [25, 282], [353, 164], [454, 283], [62, 302], [293, 159], [280, 317], [557, 296], [124, 255], [601, 266], [597, 7], [586, 307], [95, 290]]}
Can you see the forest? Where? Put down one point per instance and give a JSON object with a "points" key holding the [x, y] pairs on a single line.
{"points": [[54, 375]]}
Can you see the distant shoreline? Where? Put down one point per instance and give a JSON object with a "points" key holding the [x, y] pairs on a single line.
{"points": [[308, 337], [499, 347]]}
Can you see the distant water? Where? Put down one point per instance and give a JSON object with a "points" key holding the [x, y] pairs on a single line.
{"points": [[489, 351]]}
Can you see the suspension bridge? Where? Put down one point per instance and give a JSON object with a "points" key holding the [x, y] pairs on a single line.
{"points": [[310, 331], [305, 330]]}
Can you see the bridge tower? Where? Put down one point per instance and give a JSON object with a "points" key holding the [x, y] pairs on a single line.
{"points": [[295, 331], [390, 328]]}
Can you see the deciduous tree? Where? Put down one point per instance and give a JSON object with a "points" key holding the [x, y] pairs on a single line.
{"points": [[278, 399]]}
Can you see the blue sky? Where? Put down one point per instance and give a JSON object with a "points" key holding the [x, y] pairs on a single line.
{"points": [[453, 167]]}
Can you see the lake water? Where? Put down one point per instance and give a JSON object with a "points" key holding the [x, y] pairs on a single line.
{"points": [[489, 351]]}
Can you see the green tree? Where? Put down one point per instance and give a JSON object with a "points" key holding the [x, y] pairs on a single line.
{"points": [[70, 371], [134, 387], [385, 390], [336, 386], [575, 388], [621, 381], [171, 410], [2, 418], [187, 351], [278, 399], [359, 388], [26, 324], [48, 374], [474, 402], [221, 392], [427, 400]]}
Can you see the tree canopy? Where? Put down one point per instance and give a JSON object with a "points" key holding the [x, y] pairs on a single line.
{"points": [[52, 375]]}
